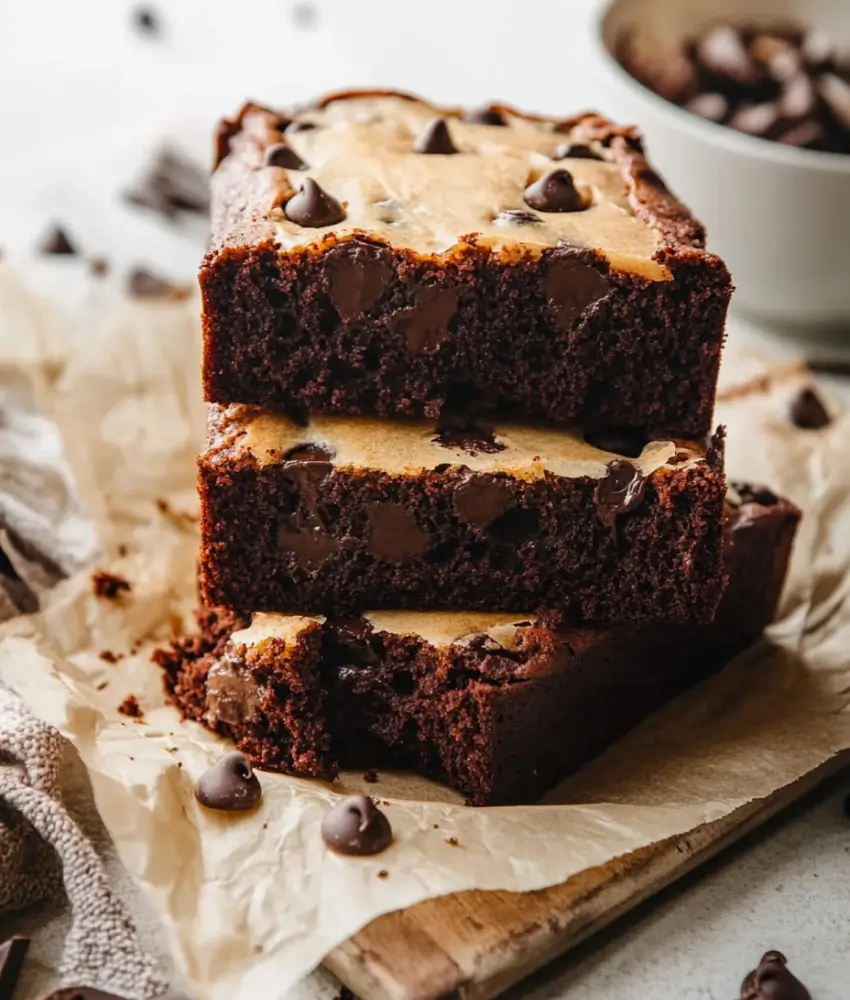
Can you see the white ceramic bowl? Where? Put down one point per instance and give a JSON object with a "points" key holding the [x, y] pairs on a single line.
{"points": [[779, 216]]}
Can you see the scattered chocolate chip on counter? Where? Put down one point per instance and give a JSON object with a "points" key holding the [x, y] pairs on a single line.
{"points": [[786, 83], [109, 585], [230, 785], [109, 657], [807, 411], [371, 776], [452, 841], [144, 284], [172, 183], [146, 21], [773, 981], [131, 708], [99, 267], [57, 241], [12, 955], [356, 826]]}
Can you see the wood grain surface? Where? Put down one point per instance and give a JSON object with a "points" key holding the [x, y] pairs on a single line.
{"points": [[474, 945]]}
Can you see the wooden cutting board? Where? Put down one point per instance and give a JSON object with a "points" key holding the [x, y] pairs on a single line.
{"points": [[474, 945]]}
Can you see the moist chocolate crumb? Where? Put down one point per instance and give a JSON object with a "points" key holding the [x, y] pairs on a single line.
{"points": [[109, 657], [98, 267], [383, 873], [146, 21], [57, 241], [371, 776], [452, 841], [144, 284], [109, 585], [130, 706]]}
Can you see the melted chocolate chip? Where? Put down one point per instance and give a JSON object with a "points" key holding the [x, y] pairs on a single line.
{"points": [[281, 155], [620, 491], [773, 981], [485, 116], [312, 207], [394, 534], [352, 642], [570, 287], [479, 500], [518, 217], [426, 325], [304, 532], [307, 539], [12, 955], [229, 785], [807, 411], [575, 151], [291, 127], [57, 242], [358, 275], [555, 192], [465, 434], [619, 440], [356, 826], [435, 139]]}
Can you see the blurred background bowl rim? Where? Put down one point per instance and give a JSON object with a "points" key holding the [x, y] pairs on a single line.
{"points": [[708, 131]]}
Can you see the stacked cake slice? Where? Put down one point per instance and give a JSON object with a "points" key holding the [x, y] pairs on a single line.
{"points": [[461, 509]]}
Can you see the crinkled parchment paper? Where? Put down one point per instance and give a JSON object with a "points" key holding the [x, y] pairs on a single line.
{"points": [[255, 901]]}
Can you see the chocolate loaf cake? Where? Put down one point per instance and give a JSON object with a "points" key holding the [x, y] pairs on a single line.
{"points": [[373, 254], [500, 706], [348, 513]]}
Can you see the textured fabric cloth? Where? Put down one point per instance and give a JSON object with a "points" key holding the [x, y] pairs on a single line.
{"points": [[41, 848]]}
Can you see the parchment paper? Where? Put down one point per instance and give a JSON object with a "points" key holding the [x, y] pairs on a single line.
{"points": [[254, 902]]}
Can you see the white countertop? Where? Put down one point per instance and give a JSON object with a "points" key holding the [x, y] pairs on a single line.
{"points": [[83, 100]]}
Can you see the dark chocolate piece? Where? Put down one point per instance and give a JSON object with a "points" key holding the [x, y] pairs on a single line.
{"points": [[750, 493], [575, 151], [281, 155], [555, 192], [171, 184], [807, 411], [144, 284], [12, 955], [571, 288], [230, 785], [312, 207], [480, 499], [485, 116], [475, 438], [619, 492], [772, 980], [358, 275], [436, 139], [304, 532], [356, 826], [394, 534], [57, 242], [425, 325]]}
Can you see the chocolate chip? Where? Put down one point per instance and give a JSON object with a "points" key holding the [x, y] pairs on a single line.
{"points": [[467, 435], [291, 127], [619, 491], [144, 284], [479, 500], [749, 493], [807, 411], [356, 826], [307, 539], [313, 207], [171, 183], [426, 325], [56, 241], [146, 21], [575, 151], [808, 133], [99, 267], [485, 116], [722, 53], [12, 955], [798, 98], [281, 155], [836, 94], [773, 981], [755, 119], [352, 642], [229, 785], [570, 287], [555, 192], [713, 107], [394, 534], [620, 440], [435, 139], [358, 275], [304, 532], [517, 217]]}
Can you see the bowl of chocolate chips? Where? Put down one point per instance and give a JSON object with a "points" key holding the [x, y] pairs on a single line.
{"points": [[745, 106]]}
